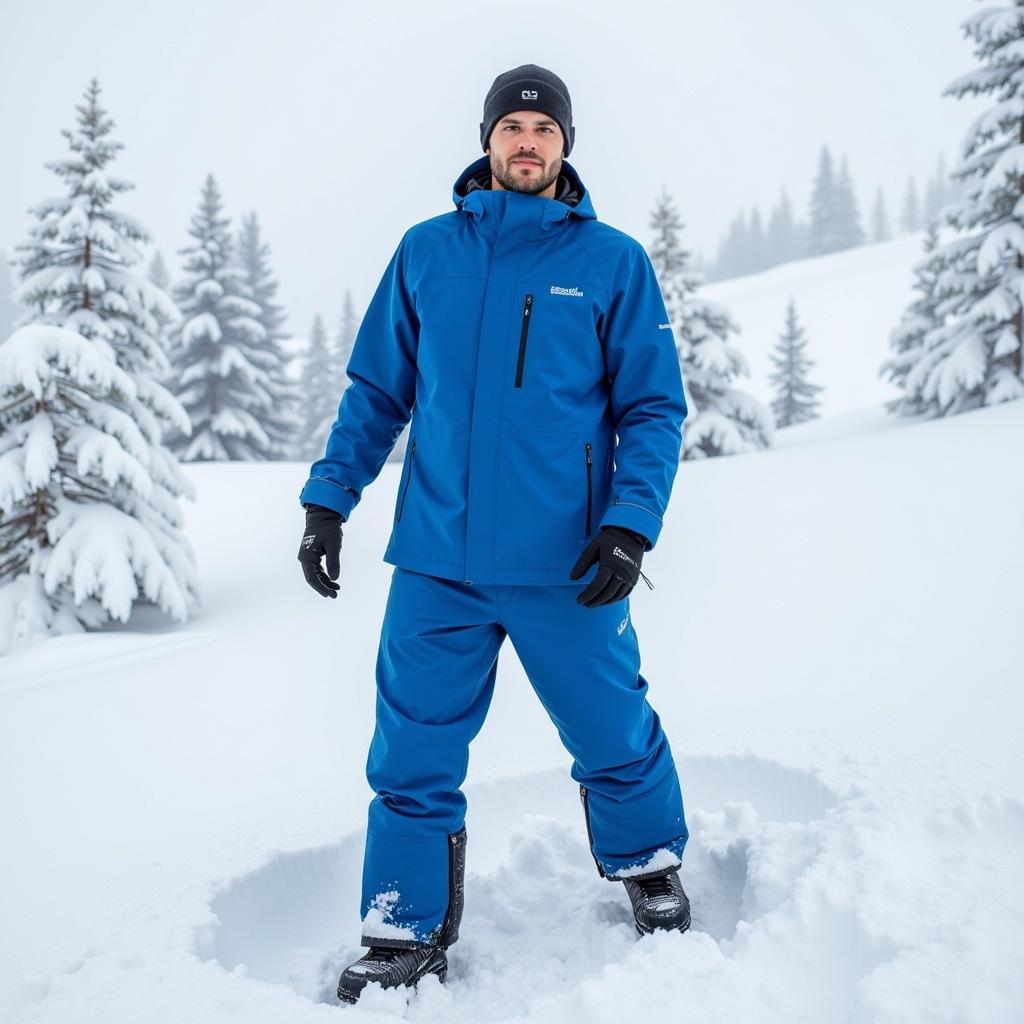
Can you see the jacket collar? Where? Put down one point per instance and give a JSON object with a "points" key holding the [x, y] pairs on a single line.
{"points": [[473, 195]]}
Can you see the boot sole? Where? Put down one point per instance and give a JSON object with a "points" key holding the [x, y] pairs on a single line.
{"points": [[641, 932]]}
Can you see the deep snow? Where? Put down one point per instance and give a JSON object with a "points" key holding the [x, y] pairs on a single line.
{"points": [[834, 647]]}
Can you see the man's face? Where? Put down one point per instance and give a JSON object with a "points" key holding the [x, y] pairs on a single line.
{"points": [[525, 148]]}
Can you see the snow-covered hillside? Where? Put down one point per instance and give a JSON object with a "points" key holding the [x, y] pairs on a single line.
{"points": [[847, 301], [833, 644]]}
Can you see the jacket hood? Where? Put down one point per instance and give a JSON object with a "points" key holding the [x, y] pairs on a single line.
{"points": [[571, 195]]}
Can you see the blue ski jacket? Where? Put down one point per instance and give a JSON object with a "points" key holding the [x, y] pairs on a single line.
{"points": [[521, 336]]}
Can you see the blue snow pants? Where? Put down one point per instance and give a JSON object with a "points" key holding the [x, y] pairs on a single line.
{"points": [[436, 669]]}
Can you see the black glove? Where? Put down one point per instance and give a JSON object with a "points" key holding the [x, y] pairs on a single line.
{"points": [[322, 536], [619, 552]]}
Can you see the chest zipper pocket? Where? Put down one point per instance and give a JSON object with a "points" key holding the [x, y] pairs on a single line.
{"points": [[589, 486], [408, 477], [524, 329]]}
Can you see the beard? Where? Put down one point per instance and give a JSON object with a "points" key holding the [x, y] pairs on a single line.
{"points": [[514, 181]]}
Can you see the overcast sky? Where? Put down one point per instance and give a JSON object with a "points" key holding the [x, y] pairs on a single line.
{"points": [[344, 123]]}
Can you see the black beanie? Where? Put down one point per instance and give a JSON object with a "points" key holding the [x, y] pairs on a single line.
{"points": [[529, 87]]}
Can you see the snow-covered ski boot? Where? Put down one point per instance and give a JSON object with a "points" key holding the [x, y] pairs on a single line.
{"points": [[659, 902], [392, 968]]}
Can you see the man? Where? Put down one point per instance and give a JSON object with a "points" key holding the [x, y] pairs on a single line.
{"points": [[520, 335]]}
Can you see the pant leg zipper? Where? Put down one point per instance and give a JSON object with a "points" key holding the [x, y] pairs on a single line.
{"points": [[523, 331], [456, 880], [590, 834], [589, 462], [408, 477]]}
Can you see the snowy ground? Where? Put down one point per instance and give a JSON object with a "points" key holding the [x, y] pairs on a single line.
{"points": [[834, 645]]}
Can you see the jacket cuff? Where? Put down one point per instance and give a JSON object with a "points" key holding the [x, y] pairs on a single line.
{"points": [[638, 537], [633, 517], [321, 491]]}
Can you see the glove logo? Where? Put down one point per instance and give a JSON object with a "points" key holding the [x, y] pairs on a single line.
{"points": [[308, 539], [622, 554]]}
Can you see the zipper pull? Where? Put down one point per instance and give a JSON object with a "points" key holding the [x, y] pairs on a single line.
{"points": [[588, 453]]}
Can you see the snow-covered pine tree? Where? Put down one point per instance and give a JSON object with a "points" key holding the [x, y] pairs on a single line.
{"points": [[158, 274], [218, 374], [669, 259], [282, 420], [320, 394], [824, 230], [879, 218], [847, 211], [972, 357], [89, 519], [910, 217], [721, 419], [907, 339], [795, 400]]}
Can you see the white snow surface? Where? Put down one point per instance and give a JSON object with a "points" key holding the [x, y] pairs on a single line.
{"points": [[834, 646]]}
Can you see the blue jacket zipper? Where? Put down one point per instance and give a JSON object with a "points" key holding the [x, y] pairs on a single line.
{"points": [[589, 462], [408, 477], [523, 331]]}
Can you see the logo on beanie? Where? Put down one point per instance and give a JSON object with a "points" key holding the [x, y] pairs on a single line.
{"points": [[529, 94]]}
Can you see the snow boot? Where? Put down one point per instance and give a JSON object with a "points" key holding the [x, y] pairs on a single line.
{"points": [[659, 902], [392, 968]]}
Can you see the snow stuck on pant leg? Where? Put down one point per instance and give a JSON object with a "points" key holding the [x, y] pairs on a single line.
{"points": [[376, 924], [658, 861]]}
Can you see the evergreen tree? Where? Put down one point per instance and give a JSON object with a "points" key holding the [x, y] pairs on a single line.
{"points": [[781, 242], [667, 255], [281, 419], [756, 259], [721, 419], [321, 396], [824, 231], [972, 357], [89, 521], [795, 399], [731, 250], [847, 213], [348, 327], [908, 339], [157, 273], [219, 372], [910, 218], [879, 219]]}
